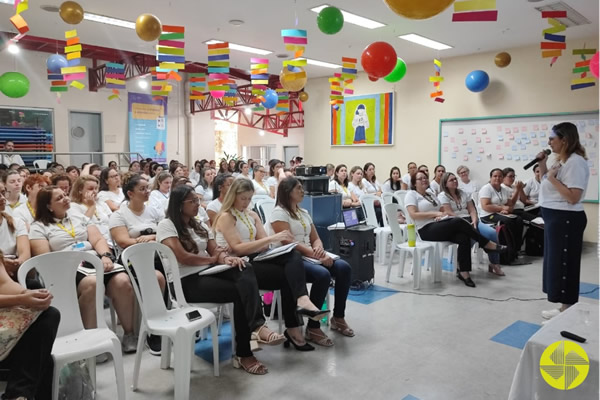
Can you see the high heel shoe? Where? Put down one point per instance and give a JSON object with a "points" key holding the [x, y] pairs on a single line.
{"points": [[256, 368], [273, 339], [468, 281], [286, 344], [315, 315], [495, 269]]}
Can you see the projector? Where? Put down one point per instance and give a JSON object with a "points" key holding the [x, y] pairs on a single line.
{"points": [[310, 171]]}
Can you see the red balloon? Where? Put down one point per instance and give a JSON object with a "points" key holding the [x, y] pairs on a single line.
{"points": [[378, 59], [373, 79], [594, 64]]}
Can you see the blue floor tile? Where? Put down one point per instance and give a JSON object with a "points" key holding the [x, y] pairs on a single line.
{"points": [[517, 334], [204, 348], [447, 266], [589, 290], [410, 397], [370, 295]]}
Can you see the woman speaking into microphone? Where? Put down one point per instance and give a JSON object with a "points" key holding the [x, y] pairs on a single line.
{"points": [[561, 193]]}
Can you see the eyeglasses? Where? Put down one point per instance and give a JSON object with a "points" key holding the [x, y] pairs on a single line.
{"points": [[452, 180], [422, 179], [511, 176]]}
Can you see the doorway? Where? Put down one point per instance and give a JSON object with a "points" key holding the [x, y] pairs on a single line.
{"points": [[289, 152], [85, 135]]}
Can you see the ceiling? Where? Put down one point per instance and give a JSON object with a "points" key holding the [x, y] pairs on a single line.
{"points": [[519, 24]]}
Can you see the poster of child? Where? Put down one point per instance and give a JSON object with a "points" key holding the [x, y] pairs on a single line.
{"points": [[360, 123]]}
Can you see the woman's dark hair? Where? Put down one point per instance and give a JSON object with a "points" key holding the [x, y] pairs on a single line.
{"points": [[365, 168], [94, 167], [178, 181], [444, 185], [72, 168], [104, 179], [337, 169], [153, 167], [9, 219], [568, 131], [284, 190], [272, 164], [197, 164], [494, 170], [60, 177], [173, 167], [202, 182], [507, 171], [111, 163], [133, 163], [224, 170], [218, 184], [413, 179], [395, 185], [238, 166], [438, 166], [43, 200], [178, 196], [130, 181]]}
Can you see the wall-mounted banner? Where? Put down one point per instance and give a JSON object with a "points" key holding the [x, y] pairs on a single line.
{"points": [[364, 120], [148, 126]]}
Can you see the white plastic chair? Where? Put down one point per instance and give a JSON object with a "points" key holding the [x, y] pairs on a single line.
{"points": [[40, 164], [172, 325], [387, 197], [382, 234], [256, 198], [400, 195], [265, 207], [421, 249], [73, 342]]}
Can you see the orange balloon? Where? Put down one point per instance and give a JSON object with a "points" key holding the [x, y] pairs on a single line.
{"points": [[71, 12], [418, 9], [148, 27], [502, 59]]}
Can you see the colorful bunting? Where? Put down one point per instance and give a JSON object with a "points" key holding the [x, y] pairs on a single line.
{"points": [[74, 72], [555, 43], [349, 73], [336, 96], [437, 79], [283, 101], [582, 68], [219, 82], [170, 56], [475, 11], [259, 75], [197, 86], [295, 40], [17, 20], [115, 79]]}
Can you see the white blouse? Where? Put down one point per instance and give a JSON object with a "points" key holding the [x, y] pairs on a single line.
{"points": [[371, 187], [414, 198], [498, 198], [105, 195], [334, 186], [260, 188], [574, 174], [460, 209], [70, 233], [8, 239], [244, 224], [357, 190], [300, 227], [100, 218]]}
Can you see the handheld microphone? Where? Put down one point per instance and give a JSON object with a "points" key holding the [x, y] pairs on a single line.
{"points": [[532, 162]]}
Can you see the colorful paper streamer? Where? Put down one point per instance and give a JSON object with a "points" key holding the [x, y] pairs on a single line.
{"points": [[349, 73], [582, 68], [197, 86], [259, 77], [219, 83], [437, 80], [554, 44], [17, 20], [170, 57], [475, 11], [295, 40]]}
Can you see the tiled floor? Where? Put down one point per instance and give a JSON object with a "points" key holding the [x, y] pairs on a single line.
{"points": [[444, 341]]}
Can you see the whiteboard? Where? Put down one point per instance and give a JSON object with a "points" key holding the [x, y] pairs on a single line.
{"points": [[512, 141]]}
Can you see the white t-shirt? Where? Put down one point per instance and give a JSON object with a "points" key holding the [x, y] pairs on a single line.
{"points": [[8, 239], [271, 182], [23, 214], [498, 198], [135, 223], [243, 224], [532, 189], [575, 174], [414, 198], [71, 232], [435, 187], [11, 209], [105, 195], [100, 218], [387, 187], [206, 193], [166, 229], [460, 209], [370, 187], [406, 180], [334, 186], [260, 188], [214, 206], [11, 158], [159, 200], [518, 204], [300, 228], [356, 189], [468, 188]]}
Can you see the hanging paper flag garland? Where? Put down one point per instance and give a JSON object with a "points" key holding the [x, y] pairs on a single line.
{"points": [[437, 79], [475, 11], [556, 43], [197, 86], [349, 72], [57, 82], [115, 79], [283, 101], [170, 55], [259, 75], [218, 69], [160, 85], [336, 96], [230, 97], [582, 68], [295, 40], [115, 95], [17, 20], [74, 72]]}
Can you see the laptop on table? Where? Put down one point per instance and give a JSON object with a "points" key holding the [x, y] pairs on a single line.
{"points": [[354, 219]]}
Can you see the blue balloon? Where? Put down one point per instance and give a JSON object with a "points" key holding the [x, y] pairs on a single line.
{"points": [[477, 81], [55, 62], [271, 99]]}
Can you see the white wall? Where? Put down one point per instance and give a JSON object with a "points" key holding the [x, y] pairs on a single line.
{"points": [[250, 137], [527, 86]]}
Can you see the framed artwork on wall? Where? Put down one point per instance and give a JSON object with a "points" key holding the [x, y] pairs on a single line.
{"points": [[366, 120]]}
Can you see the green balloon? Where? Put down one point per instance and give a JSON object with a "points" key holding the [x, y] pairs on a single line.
{"points": [[14, 84], [330, 20], [398, 72]]}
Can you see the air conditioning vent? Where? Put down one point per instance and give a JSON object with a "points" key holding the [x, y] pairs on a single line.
{"points": [[574, 18]]}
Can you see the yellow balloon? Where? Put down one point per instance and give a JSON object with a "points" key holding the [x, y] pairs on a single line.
{"points": [[303, 96], [289, 81], [418, 9], [148, 27], [502, 59], [71, 12]]}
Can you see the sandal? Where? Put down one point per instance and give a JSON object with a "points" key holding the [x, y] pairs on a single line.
{"points": [[318, 337], [273, 339], [255, 368], [341, 327]]}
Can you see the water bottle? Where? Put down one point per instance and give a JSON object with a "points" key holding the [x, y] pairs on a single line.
{"points": [[412, 235], [324, 307]]}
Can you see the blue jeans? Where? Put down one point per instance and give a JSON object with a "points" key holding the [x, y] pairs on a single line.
{"points": [[320, 277], [489, 232]]}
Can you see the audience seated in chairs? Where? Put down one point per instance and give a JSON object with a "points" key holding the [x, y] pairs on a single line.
{"points": [[26, 211], [221, 186], [14, 239], [339, 184]]}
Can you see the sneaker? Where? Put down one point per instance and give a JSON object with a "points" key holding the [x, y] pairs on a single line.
{"points": [[129, 343], [101, 358], [550, 313], [154, 344]]}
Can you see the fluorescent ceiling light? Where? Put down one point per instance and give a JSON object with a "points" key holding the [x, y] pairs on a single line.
{"points": [[353, 18], [11, 2], [423, 41], [239, 47], [13, 49], [108, 20], [322, 64]]}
